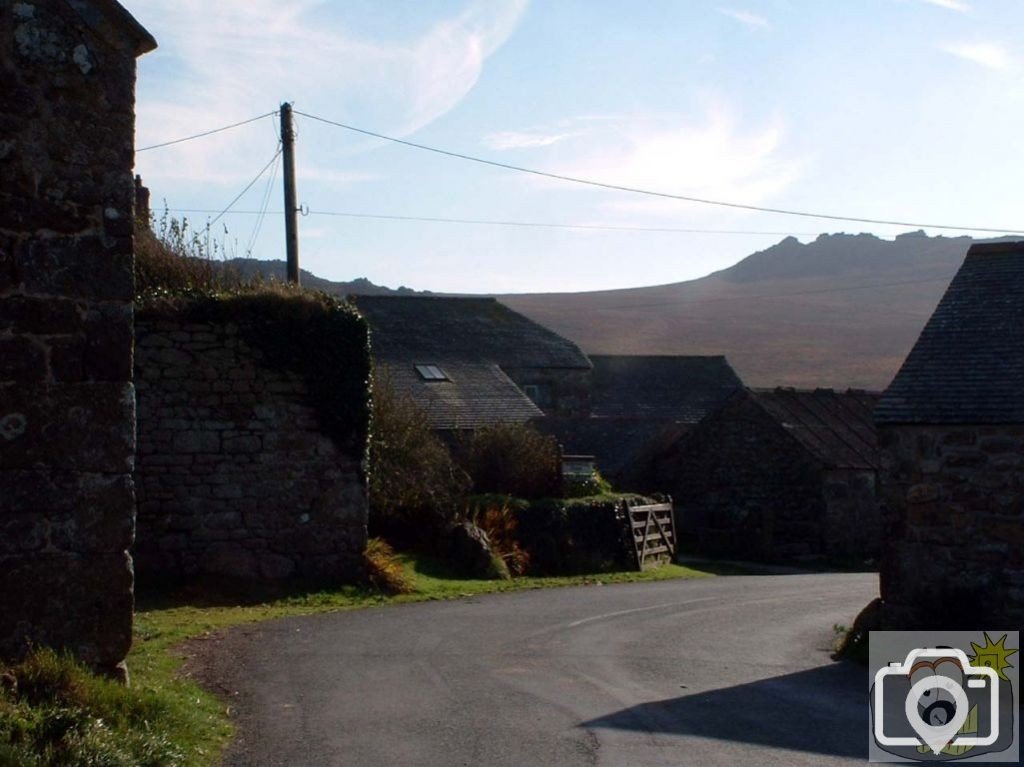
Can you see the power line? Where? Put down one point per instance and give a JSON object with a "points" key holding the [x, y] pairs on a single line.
{"points": [[263, 208], [498, 222], [651, 193], [545, 225], [247, 188], [206, 133]]}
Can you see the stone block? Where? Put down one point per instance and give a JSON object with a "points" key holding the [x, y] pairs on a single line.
{"points": [[67, 512], [76, 267], [108, 348], [22, 359], [33, 315], [196, 442], [274, 567], [85, 427], [87, 606], [229, 560], [245, 444]]}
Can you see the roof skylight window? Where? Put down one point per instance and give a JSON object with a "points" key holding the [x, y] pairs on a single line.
{"points": [[431, 373]]}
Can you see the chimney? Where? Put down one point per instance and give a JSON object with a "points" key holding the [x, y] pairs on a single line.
{"points": [[142, 211]]}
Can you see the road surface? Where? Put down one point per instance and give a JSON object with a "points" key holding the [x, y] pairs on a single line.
{"points": [[716, 671]]}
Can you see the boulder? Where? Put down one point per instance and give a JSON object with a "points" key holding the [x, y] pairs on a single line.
{"points": [[468, 550]]}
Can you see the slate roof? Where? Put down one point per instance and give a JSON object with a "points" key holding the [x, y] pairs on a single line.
{"points": [[615, 443], [967, 366], [678, 388], [477, 394], [835, 427], [431, 329]]}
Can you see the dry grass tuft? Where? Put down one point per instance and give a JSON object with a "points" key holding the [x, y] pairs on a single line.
{"points": [[384, 571]]}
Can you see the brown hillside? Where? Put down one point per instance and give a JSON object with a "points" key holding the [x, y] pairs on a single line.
{"points": [[841, 311]]}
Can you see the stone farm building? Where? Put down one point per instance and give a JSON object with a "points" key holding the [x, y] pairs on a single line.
{"points": [[952, 428], [67, 404], [639, 404], [779, 475], [473, 362]]}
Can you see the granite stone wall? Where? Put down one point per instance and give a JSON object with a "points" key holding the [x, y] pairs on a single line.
{"points": [[744, 488], [851, 525], [953, 519], [235, 475], [67, 405]]}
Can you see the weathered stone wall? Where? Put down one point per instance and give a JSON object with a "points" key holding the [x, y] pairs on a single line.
{"points": [[67, 406], [953, 519], [852, 524], [235, 475], [744, 488]]}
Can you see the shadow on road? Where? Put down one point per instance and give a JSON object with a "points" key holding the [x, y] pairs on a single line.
{"points": [[823, 710]]}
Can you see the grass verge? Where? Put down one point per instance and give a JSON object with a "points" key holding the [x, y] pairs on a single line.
{"points": [[55, 714]]}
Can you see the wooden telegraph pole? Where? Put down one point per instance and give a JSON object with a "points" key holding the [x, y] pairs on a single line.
{"points": [[291, 208]]}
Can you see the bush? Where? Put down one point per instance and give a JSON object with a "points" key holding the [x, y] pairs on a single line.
{"points": [[383, 570], [415, 486], [170, 255], [513, 459], [582, 487], [584, 535]]}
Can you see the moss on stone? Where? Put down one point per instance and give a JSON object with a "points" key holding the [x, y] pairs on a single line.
{"points": [[310, 333]]}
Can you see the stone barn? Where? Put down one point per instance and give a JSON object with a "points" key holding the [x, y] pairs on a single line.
{"points": [[952, 430], [779, 474], [638, 404], [67, 404]]}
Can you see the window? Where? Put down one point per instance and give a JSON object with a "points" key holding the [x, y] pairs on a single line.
{"points": [[539, 393], [431, 373]]}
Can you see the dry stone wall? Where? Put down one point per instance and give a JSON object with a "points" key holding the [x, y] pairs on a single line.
{"points": [[953, 520], [67, 406], [235, 474]]}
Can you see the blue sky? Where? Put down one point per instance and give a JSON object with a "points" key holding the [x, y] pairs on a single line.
{"points": [[894, 109]]}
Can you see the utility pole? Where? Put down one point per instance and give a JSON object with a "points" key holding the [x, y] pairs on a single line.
{"points": [[291, 208]]}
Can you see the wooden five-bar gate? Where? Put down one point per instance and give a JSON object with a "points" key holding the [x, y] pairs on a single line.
{"points": [[651, 530]]}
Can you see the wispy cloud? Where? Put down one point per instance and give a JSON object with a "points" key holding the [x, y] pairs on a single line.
{"points": [[448, 61], [712, 158], [745, 17], [987, 54], [950, 5], [506, 140], [224, 61]]}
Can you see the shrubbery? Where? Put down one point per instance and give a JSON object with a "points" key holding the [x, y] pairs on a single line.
{"points": [[583, 487], [512, 459], [415, 486], [574, 536], [170, 255]]}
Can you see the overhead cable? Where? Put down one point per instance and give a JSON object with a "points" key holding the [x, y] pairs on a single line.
{"points": [[652, 193]]}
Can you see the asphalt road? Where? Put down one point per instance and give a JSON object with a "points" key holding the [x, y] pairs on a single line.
{"points": [[727, 670]]}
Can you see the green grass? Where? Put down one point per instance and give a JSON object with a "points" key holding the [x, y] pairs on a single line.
{"points": [[166, 720]]}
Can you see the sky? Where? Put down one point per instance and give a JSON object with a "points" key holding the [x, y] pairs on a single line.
{"points": [[904, 110]]}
